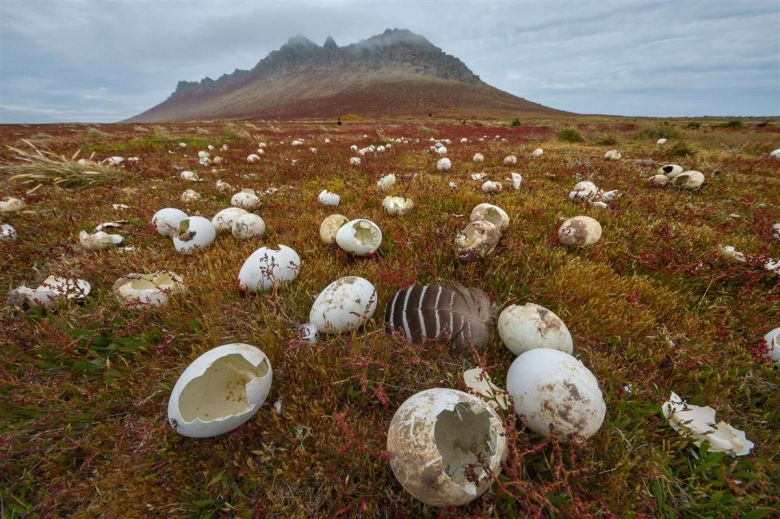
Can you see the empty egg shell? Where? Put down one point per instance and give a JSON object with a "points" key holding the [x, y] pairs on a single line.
{"points": [[189, 196], [670, 170], [580, 231], [246, 199], [267, 267], [659, 180], [477, 240], [99, 240], [445, 446], [190, 176], [386, 181], [152, 289], [491, 186], [330, 226], [359, 237], [510, 160], [478, 157], [491, 213], [194, 234], [517, 180], [354, 161], [167, 220], [550, 387], [248, 226], [327, 198], [443, 164], [583, 190], [612, 155], [529, 326], [52, 291], [397, 205], [343, 306], [689, 180], [10, 204], [223, 220], [538, 152], [219, 391], [773, 346], [7, 232]]}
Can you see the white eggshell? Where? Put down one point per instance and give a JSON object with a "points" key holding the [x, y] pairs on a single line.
{"points": [[397, 205], [582, 190], [443, 164], [659, 180], [517, 180], [689, 180], [167, 220], [330, 226], [223, 220], [11, 204], [579, 231], [670, 170], [190, 195], [491, 213], [327, 198], [220, 390], [245, 199], [152, 289], [530, 326], [252, 158], [773, 346], [52, 291], [538, 152], [99, 240], [267, 267], [344, 305], [193, 234], [190, 176], [550, 387], [386, 181], [491, 186], [438, 435], [7, 232], [360, 237], [612, 155], [478, 157], [510, 160], [248, 226], [354, 161]]}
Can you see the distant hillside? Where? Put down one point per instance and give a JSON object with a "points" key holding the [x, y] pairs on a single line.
{"points": [[394, 73]]}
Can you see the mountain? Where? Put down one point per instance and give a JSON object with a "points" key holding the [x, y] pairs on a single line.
{"points": [[394, 73]]}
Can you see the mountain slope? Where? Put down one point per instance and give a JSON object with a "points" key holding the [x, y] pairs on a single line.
{"points": [[394, 73]]}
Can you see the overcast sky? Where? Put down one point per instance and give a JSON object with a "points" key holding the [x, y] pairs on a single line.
{"points": [[104, 60]]}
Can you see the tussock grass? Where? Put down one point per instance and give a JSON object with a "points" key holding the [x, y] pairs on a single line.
{"points": [[41, 166]]}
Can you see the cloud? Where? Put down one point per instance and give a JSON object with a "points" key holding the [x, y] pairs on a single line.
{"points": [[104, 60]]}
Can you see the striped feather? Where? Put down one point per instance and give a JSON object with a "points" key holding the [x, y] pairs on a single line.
{"points": [[423, 312]]}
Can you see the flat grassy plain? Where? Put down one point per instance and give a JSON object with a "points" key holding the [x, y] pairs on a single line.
{"points": [[653, 308]]}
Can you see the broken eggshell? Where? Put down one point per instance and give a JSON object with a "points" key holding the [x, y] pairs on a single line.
{"points": [[11, 204], [612, 155], [267, 267], [580, 231], [330, 226], [248, 226], [167, 220], [360, 237], [670, 170], [478, 157], [538, 152], [343, 306], [443, 164], [99, 240], [659, 180], [772, 340], [491, 213], [691, 180], [439, 440], [193, 234], [220, 390], [7, 232], [327, 198], [517, 180], [190, 195], [583, 190], [397, 205], [53, 290], [491, 186], [525, 327], [386, 181], [699, 424], [152, 289], [510, 160], [477, 240], [550, 387], [478, 380]]}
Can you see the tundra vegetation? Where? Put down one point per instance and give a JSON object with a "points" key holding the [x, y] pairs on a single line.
{"points": [[653, 307]]}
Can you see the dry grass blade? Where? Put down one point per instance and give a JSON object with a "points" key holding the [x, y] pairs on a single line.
{"points": [[46, 167]]}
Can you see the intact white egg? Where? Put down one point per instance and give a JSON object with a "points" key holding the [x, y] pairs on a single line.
{"points": [[220, 390], [529, 326], [330, 226], [550, 387], [267, 267], [246, 199], [612, 155], [345, 305], [443, 164], [580, 231], [491, 186], [7, 232], [538, 152], [360, 237], [510, 160], [491, 213], [152, 289], [327, 198], [478, 157], [446, 446], [248, 226], [223, 220], [194, 234], [167, 220]]}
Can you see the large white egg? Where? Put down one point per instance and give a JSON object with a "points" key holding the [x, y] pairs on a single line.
{"points": [[167, 220], [152, 289], [194, 234], [580, 231], [538, 152], [443, 164], [360, 237], [223, 220], [550, 387], [248, 226], [246, 199], [529, 326], [267, 267], [445, 446], [220, 390], [344, 305], [689, 180]]}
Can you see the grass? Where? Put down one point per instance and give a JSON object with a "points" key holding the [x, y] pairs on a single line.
{"points": [[652, 308], [570, 135]]}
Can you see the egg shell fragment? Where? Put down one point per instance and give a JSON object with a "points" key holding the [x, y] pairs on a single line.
{"points": [[439, 435], [344, 305], [152, 289], [220, 390], [550, 387]]}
